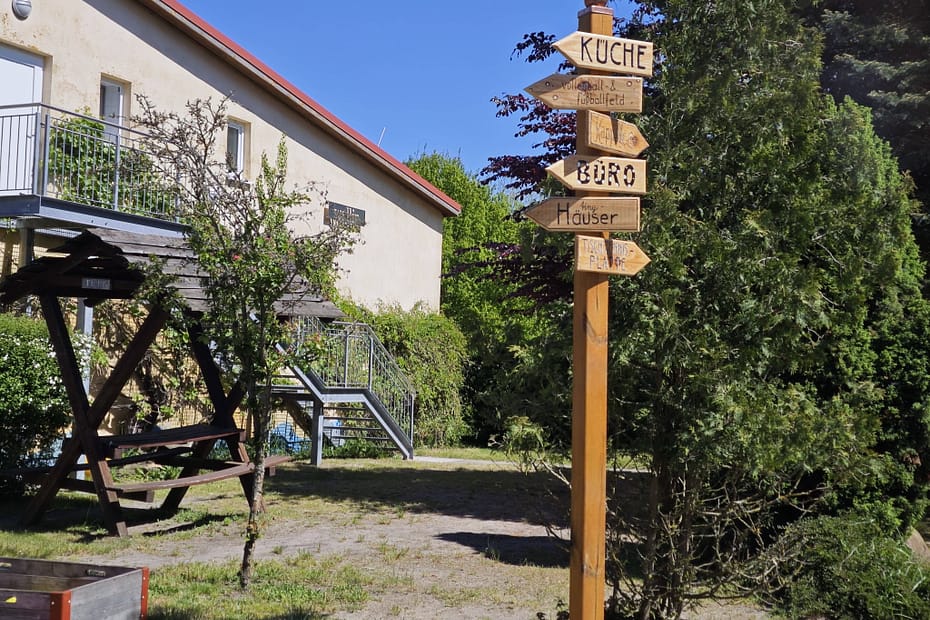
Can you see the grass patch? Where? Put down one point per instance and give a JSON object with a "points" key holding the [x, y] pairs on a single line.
{"points": [[473, 454], [298, 587]]}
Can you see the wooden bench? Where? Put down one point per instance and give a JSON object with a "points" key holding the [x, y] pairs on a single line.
{"points": [[170, 447], [145, 491]]}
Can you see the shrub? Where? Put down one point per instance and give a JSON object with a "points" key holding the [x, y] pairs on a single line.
{"points": [[355, 449], [431, 350], [848, 567], [33, 405]]}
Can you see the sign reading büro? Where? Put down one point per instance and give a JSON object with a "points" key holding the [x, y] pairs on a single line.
{"points": [[601, 174]]}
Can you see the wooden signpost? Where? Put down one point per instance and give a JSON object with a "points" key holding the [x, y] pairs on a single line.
{"points": [[589, 173], [615, 214], [599, 255], [605, 53], [601, 174], [589, 92], [614, 136]]}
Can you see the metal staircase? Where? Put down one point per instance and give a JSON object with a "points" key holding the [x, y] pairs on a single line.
{"points": [[351, 387]]}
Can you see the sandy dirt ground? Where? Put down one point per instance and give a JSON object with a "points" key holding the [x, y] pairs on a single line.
{"points": [[458, 540]]}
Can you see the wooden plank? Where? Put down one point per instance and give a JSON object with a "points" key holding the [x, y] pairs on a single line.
{"points": [[87, 486], [200, 463], [614, 136], [47, 583], [19, 605], [84, 428], [169, 436], [114, 598], [186, 481], [589, 92], [608, 256], [601, 174], [236, 470], [587, 561], [586, 50], [56, 568], [36, 473], [616, 214]]}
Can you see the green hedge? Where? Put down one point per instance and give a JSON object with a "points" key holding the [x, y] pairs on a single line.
{"points": [[848, 567], [33, 405], [431, 350]]}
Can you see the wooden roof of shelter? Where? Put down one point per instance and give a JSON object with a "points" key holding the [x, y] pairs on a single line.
{"points": [[101, 264]]}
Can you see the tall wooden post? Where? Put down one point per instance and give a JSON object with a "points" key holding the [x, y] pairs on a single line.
{"points": [[589, 401]]}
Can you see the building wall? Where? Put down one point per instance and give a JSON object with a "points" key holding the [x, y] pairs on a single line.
{"points": [[84, 41]]}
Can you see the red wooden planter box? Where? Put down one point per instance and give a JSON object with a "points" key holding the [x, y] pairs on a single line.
{"points": [[41, 589]]}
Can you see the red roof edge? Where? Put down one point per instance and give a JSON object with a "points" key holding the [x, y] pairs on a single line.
{"points": [[202, 30]]}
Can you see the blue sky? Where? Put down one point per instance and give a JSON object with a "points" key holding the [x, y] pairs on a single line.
{"points": [[416, 75]]}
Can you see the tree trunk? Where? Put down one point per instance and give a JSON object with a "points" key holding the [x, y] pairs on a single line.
{"points": [[260, 406]]}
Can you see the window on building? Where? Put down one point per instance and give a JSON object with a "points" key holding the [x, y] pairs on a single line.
{"points": [[235, 147], [112, 101]]}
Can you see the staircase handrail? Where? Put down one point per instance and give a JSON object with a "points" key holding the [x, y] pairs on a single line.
{"points": [[354, 357]]}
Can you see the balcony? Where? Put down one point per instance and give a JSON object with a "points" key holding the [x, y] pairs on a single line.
{"points": [[60, 170]]}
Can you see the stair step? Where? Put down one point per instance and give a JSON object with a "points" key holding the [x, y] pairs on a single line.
{"points": [[364, 437]]}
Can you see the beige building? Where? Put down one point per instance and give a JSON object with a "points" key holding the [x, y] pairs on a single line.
{"points": [[94, 56]]}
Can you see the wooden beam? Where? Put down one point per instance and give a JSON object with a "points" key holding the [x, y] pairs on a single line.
{"points": [[589, 403], [83, 427]]}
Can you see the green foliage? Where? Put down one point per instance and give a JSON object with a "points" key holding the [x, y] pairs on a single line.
{"points": [[355, 449], [243, 237], [879, 54], [503, 331], [302, 586], [33, 405], [747, 354], [848, 567], [432, 352], [771, 359], [468, 296], [88, 166]]}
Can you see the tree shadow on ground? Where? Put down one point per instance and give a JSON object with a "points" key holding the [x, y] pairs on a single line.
{"points": [[498, 493], [81, 519], [483, 494], [542, 551]]}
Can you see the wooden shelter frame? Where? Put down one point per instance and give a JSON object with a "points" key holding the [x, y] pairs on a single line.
{"points": [[101, 264]]}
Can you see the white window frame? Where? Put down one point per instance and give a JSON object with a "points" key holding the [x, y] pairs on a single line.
{"points": [[108, 111], [235, 161]]}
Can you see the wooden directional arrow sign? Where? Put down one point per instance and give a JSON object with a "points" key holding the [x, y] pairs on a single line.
{"points": [[601, 174], [614, 136], [603, 53], [619, 214], [599, 255], [589, 92]]}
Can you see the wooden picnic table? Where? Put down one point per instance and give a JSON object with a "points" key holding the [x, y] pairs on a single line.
{"points": [[98, 265]]}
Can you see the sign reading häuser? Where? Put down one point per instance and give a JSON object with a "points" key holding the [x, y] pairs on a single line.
{"points": [[603, 53], [611, 256], [589, 92], [616, 214], [614, 136], [601, 174]]}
